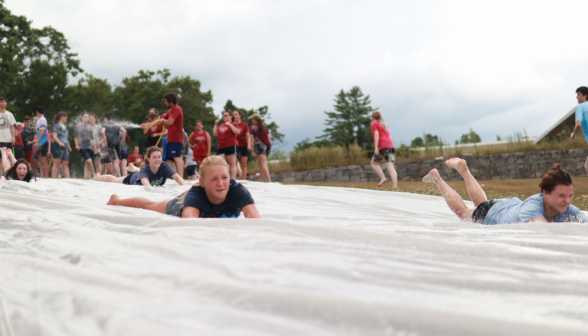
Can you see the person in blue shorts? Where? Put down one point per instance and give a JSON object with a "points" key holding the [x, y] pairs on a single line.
{"points": [[582, 116], [154, 172], [215, 196], [553, 204]]}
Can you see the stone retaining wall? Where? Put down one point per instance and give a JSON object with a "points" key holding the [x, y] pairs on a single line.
{"points": [[490, 167]]}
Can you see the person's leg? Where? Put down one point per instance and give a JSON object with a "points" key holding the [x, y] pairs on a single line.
{"points": [[55, 169], [116, 166], [198, 163], [139, 202], [239, 171], [586, 165], [123, 165], [65, 168], [108, 178], [244, 160], [232, 161], [97, 164], [44, 161], [378, 170], [172, 163], [263, 169], [452, 198], [179, 166], [477, 194], [131, 168], [89, 168], [393, 174], [5, 160], [34, 166]]}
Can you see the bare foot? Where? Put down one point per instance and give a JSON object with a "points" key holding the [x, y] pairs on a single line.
{"points": [[113, 200], [458, 164], [382, 182], [432, 176]]}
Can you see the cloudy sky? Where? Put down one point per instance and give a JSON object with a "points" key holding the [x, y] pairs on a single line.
{"points": [[439, 67]]}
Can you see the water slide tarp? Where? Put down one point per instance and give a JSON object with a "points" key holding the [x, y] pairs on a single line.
{"points": [[322, 261]]}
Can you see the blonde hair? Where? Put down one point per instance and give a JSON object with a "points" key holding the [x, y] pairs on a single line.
{"points": [[378, 116], [203, 168]]}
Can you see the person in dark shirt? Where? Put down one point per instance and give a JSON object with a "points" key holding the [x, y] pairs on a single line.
{"points": [[154, 172], [215, 196], [18, 170]]}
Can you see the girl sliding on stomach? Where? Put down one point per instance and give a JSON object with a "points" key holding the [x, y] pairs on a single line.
{"points": [[18, 170], [215, 196], [154, 173], [553, 204]]}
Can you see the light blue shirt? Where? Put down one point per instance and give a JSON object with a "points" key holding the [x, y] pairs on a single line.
{"points": [[582, 115], [513, 210]]}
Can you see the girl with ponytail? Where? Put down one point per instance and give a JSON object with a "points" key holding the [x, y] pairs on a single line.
{"points": [[553, 204]]}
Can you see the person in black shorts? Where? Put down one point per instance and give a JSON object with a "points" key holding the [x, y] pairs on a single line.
{"points": [[112, 133], [216, 196]]}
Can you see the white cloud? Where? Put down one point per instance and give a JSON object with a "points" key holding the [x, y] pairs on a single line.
{"points": [[439, 67]]}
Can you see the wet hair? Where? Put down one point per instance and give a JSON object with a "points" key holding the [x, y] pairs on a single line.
{"points": [[150, 151], [260, 124], [40, 109], [210, 161], [152, 115], [378, 116], [58, 117], [12, 169], [583, 90], [171, 97], [108, 115], [554, 177], [26, 118], [95, 117], [3, 99], [154, 109]]}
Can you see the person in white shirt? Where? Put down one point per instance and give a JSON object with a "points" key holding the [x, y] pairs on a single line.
{"points": [[7, 122]]}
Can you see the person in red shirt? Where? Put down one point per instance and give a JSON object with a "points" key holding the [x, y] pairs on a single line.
{"points": [[263, 145], [18, 145], [384, 149], [153, 132], [200, 143], [136, 159], [243, 143], [174, 123], [227, 141]]}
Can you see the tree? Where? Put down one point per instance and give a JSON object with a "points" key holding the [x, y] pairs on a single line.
{"points": [[417, 142], [34, 64], [350, 122], [263, 111], [90, 94], [307, 143], [471, 137]]}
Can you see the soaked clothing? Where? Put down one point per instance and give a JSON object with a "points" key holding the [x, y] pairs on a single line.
{"points": [[262, 149], [112, 132], [260, 136], [384, 139], [41, 126], [28, 134], [62, 133], [482, 211], [237, 198], [85, 135], [28, 177], [513, 210], [387, 154]]}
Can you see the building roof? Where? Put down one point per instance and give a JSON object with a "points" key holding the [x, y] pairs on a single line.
{"points": [[567, 121]]}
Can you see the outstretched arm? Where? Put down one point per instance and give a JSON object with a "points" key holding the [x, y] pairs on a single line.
{"points": [[190, 212], [538, 220], [178, 179], [576, 128], [145, 182]]}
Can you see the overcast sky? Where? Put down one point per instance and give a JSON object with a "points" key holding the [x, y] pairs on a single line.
{"points": [[439, 67]]}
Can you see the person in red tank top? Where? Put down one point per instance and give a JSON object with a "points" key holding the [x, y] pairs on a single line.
{"points": [[384, 150], [243, 143], [227, 141], [200, 143], [263, 145]]}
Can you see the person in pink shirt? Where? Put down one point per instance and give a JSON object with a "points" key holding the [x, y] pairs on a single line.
{"points": [[384, 150]]}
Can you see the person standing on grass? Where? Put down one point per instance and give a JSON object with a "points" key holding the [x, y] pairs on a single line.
{"points": [[243, 142], [60, 147], [582, 116], [201, 143], [7, 129], [42, 141], [227, 141], [84, 140], [384, 149], [263, 145], [28, 138], [113, 133], [553, 204]]}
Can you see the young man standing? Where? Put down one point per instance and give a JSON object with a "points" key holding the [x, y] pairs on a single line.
{"points": [[84, 139], [582, 115], [112, 133], [41, 142], [7, 130], [174, 123]]}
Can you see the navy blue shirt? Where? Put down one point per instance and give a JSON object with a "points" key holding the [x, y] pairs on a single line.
{"points": [[164, 172], [29, 176], [237, 198]]}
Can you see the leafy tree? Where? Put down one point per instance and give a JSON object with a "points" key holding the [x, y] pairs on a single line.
{"points": [[431, 139], [307, 143], [34, 64], [350, 122], [90, 94], [417, 142], [471, 137], [263, 111]]}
